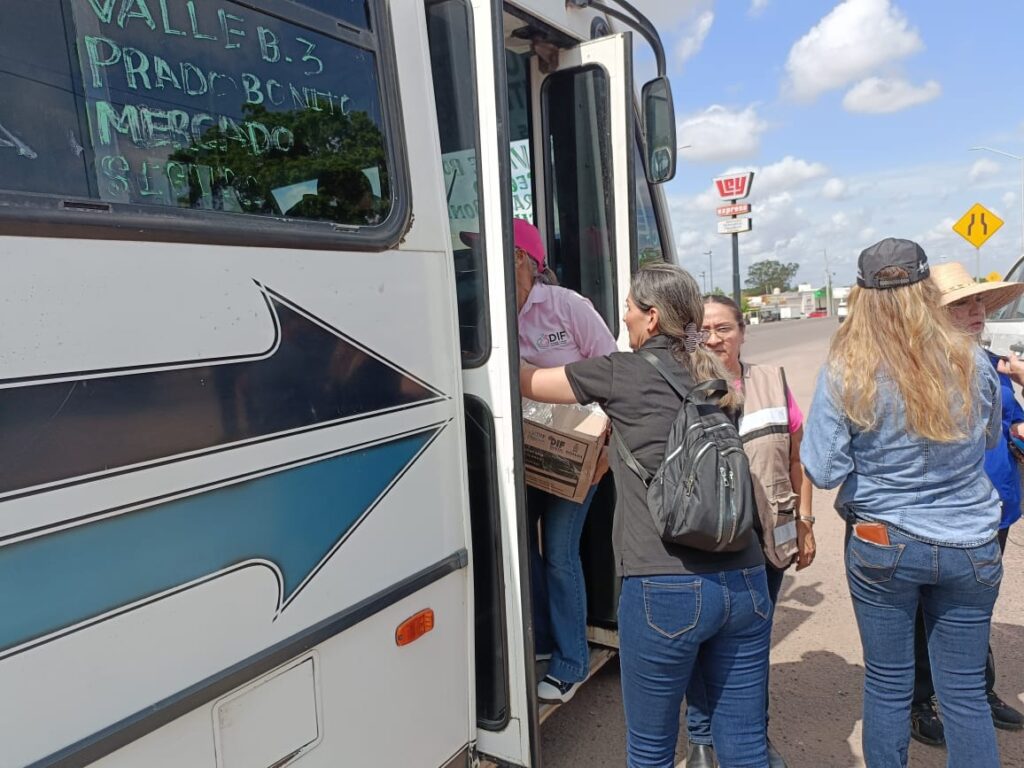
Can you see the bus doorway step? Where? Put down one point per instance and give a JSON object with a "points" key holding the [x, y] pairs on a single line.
{"points": [[598, 658]]}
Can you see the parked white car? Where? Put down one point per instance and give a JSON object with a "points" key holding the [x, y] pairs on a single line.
{"points": [[1005, 327], [842, 310]]}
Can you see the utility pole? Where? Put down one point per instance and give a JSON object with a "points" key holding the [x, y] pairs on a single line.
{"points": [[828, 285], [711, 273], [1019, 159], [736, 269], [704, 281]]}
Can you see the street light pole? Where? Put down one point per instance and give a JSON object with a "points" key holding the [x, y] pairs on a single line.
{"points": [[828, 285], [704, 281], [1019, 159], [711, 273]]}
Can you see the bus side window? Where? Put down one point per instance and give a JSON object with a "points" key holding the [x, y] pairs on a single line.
{"points": [[284, 120], [451, 59], [579, 198], [648, 240]]}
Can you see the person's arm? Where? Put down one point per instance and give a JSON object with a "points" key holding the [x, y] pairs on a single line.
{"points": [[805, 513], [1013, 415], [1013, 366], [545, 385], [995, 418], [825, 452]]}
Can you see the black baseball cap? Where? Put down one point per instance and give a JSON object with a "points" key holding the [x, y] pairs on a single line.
{"points": [[903, 261]]}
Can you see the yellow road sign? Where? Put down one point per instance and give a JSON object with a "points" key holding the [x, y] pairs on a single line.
{"points": [[993, 277], [977, 225]]}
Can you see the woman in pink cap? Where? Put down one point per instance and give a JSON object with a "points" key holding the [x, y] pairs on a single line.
{"points": [[557, 326]]}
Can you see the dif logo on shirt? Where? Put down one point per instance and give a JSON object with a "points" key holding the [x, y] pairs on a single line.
{"points": [[553, 339]]}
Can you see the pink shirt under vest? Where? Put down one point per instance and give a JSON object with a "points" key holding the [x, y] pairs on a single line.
{"points": [[558, 326], [796, 416]]}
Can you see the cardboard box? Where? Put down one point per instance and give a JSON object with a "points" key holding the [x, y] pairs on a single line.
{"points": [[561, 444]]}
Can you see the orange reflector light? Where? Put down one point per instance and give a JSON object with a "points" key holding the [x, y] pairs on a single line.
{"points": [[415, 627]]}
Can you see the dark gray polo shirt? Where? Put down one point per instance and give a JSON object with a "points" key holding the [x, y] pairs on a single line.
{"points": [[642, 407]]}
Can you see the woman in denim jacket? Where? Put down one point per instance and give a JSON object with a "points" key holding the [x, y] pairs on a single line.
{"points": [[901, 418]]}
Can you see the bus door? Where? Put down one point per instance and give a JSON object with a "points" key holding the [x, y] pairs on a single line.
{"points": [[495, 128]]}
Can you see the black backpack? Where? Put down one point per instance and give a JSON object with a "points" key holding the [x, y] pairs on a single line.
{"points": [[701, 496]]}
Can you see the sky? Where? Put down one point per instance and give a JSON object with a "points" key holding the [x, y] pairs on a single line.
{"points": [[857, 118]]}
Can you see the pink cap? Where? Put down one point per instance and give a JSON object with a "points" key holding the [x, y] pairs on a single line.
{"points": [[526, 236]]}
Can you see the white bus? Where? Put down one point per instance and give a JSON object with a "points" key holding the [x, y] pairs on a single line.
{"points": [[261, 490]]}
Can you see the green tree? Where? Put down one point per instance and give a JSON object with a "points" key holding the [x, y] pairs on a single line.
{"points": [[765, 276], [329, 147]]}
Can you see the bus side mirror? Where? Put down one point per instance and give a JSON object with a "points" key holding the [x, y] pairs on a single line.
{"points": [[659, 130]]}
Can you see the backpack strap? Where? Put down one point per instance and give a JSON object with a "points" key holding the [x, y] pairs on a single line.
{"points": [[708, 388], [629, 459]]}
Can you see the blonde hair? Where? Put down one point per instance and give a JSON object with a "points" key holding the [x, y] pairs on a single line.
{"points": [[675, 294], [903, 334]]}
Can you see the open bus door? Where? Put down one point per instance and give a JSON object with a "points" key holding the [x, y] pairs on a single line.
{"points": [[572, 125], [536, 124]]}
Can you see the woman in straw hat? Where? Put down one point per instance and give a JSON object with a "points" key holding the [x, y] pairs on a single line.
{"points": [[968, 303], [903, 413]]}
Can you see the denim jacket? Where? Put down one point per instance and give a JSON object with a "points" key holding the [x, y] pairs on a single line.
{"points": [[937, 492]]}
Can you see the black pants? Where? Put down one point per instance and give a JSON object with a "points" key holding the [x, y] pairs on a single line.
{"points": [[923, 688]]}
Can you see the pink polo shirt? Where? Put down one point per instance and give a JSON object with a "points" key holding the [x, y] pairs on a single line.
{"points": [[558, 326]]}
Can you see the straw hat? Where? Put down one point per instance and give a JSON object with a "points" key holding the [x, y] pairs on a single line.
{"points": [[955, 283]]}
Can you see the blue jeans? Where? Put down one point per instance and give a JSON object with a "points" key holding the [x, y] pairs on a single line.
{"points": [[698, 714], [719, 623], [956, 588], [557, 586]]}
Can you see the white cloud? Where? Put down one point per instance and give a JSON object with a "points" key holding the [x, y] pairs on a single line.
{"points": [[685, 21], [694, 35], [877, 95], [796, 223], [851, 42], [721, 134], [669, 15], [982, 169], [834, 189], [1009, 198], [757, 6], [788, 173]]}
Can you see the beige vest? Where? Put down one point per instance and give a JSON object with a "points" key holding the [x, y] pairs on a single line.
{"points": [[764, 429]]}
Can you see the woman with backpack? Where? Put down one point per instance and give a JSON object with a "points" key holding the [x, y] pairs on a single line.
{"points": [[680, 606], [902, 415], [771, 426]]}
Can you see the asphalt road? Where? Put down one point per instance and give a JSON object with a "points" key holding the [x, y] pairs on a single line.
{"points": [[816, 674]]}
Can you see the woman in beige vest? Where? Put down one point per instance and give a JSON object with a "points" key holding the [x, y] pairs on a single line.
{"points": [[771, 427]]}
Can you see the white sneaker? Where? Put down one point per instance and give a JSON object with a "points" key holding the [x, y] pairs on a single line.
{"points": [[552, 689]]}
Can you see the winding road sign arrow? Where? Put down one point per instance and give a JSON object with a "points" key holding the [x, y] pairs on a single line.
{"points": [[977, 225]]}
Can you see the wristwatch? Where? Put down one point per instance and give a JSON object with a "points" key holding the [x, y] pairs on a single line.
{"points": [[806, 518]]}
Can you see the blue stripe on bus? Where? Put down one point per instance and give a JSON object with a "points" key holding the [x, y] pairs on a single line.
{"points": [[293, 519]]}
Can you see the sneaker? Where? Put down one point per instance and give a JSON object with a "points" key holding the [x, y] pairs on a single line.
{"points": [[925, 724], [775, 760], [542, 656], [700, 756], [1003, 715], [551, 689]]}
